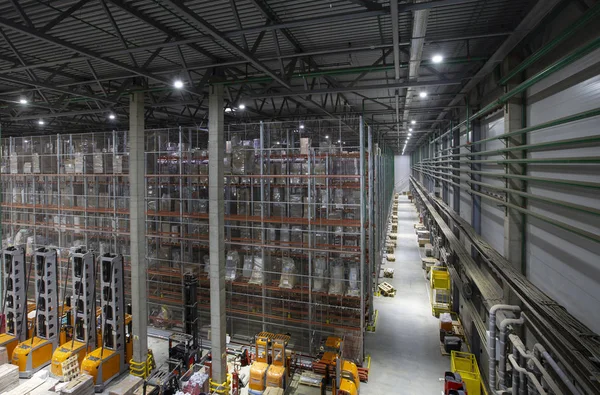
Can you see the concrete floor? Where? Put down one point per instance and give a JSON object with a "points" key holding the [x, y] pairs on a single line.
{"points": [[405, 351]]}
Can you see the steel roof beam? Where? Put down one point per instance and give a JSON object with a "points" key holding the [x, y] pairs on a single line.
{"points": [[64, 15], [368, 4], [359, 88], [210, 29], [83, 51]]}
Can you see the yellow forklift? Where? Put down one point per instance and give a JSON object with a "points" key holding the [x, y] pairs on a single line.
{"points": [[110, 360], [277, 374], [258, 370], [15, 298], [83, 313], [34, 354]]}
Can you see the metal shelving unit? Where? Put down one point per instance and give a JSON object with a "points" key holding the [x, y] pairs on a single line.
{"points": [[296, 214]]}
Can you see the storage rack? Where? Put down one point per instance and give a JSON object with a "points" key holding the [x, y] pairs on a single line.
{"points": [[282, 201]]}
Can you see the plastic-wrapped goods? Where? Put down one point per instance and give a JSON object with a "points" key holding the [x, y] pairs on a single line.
{"points": [[353, 284], [27, 167], [352, 167], [320, 274], [320, 170], [272, 234], [257, 276], [79, 163], [206, 260], [150, 198], [243, 198], [69, 166], [296, 238], [242, 161], [14, 164], [321, 237], [165, 202], [278, 207], [296, 206], [305, 144], [284, 234], [295, 169], [118, 168], [35, 163], [288, 273], [338, 198], [248, 264], [203, 206], [336, 286], [98, 163], [232, 264]]}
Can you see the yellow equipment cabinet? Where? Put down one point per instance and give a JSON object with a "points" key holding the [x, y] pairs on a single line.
{"points": [[34, 354], [15, 300], [277, 372], [258, 370], [466, 365], [110, 360], [347, 380], [83, 315]]}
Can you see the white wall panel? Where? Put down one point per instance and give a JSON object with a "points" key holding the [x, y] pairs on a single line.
{"points": [[564, 265], [492, 215], [401, 172]]}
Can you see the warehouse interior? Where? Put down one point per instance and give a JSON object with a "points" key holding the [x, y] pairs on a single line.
{"points": [[299, 197]]}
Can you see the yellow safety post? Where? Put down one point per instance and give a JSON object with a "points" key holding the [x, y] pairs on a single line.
{"points": [[220, 388], [142, 369]]}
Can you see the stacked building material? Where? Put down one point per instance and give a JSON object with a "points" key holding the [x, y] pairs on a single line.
{"points": [[81, 385], [9, 376], [3, 356], [127, 386]]}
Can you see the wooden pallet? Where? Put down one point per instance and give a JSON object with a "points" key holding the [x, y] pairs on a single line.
{"points": [[387, 289]]}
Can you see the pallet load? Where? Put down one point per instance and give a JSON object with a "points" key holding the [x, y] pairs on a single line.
{"points": [[9, 376], [127, 386], [391, 257], [387, 289], [3, 355], [388, 272], [81, 385]]}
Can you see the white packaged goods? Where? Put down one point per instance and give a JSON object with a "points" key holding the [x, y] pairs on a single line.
{"points": [[320, 274], [14, 164], [242, 161], [98, 163], [27, 168], [78, 162], [231, 265], [118, 169], [304, 145], [257, 276], [3, 356], [336, 287], [288, 273], [353, 288]]}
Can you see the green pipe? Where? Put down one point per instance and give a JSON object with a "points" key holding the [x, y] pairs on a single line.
{"points": [[565, 34], [584, 209], [584, 159], [556, 66], [562, 225], [581, 184], [557, 122], [532, 147]]}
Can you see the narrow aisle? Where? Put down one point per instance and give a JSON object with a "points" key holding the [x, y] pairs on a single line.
{"points": [[405, 351]]}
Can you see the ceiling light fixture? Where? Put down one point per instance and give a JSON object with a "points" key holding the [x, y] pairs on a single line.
{"points": [[327, 136], [410, 134], [413, 122], [23, 101], [178, 84], [242, 106], [227, 109], [410, 129], [301, 126], [112, 116], [423, 94], [437, 58], [41, 122]]}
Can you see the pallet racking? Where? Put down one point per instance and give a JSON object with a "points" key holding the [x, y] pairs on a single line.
{"points": [[297, 209]]}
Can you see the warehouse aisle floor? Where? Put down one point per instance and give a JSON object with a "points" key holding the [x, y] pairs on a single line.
{"points": [[405, 351]]}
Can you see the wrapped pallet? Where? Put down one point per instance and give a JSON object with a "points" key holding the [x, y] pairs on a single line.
{"points": [[353, 280], [288, 273], [336, 286], [232, 264], [320, 274], [257, 276]]}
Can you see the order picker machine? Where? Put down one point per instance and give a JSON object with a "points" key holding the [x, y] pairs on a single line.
{"points": [[15, 298], [83, 312], [34, 354], [112, 358]]}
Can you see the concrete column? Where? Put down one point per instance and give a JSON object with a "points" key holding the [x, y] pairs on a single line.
{"points": [[216, 222], [137, 224]]}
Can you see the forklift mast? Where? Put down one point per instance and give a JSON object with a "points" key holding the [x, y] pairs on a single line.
{"points": [[46, 292], [191, 307], [84, 298], [15, 300], [113, 310]]}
